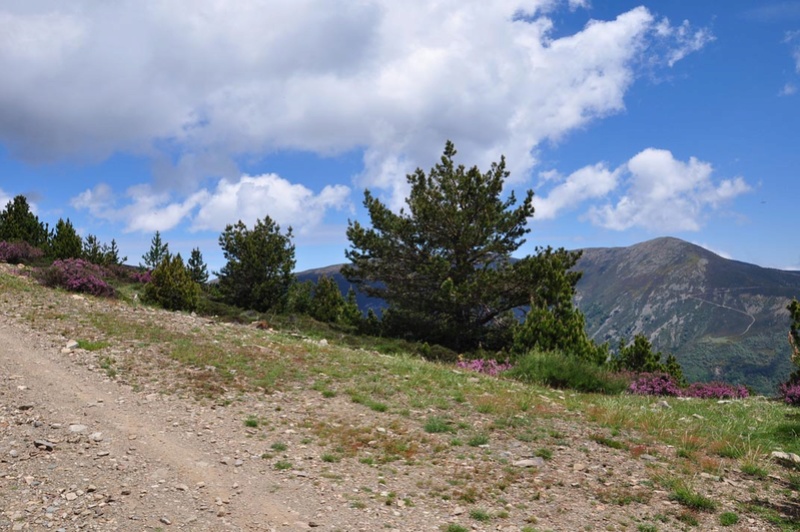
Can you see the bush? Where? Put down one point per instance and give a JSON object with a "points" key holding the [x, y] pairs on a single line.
{"points": [[715, 390], [171, 285], [77, 275], [655, 384], [562, 371], [790, 393], [19, 252], [480, 365]]}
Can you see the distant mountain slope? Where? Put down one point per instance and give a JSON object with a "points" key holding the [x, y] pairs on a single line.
{"points": [[723, 319]]}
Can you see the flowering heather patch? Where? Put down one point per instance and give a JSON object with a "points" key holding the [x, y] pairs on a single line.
{"points": [[655, 384], [715, 390], [489, 367], [142, 277], [790, 393], [18, 252], [77, 275]]}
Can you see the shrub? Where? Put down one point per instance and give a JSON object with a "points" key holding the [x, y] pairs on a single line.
{"points": [[77, 275], [715, 390], [563, 371], [18, 252], [171, 285], [654, 384], [790, 393], [480, 365]]}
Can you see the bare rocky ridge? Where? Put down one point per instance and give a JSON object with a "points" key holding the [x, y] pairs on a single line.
{"points": [[83, 450]]}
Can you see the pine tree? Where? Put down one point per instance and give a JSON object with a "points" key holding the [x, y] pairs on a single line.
{"points": [[197, 268], [157, 252], [258, 273], [19, 224], [93, 250], [66, 243], [445, 266], [171, 286], [111, 254]]}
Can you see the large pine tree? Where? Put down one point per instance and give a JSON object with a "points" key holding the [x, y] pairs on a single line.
{"points": [[445, 264]]}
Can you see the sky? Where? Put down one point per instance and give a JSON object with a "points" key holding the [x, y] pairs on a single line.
{"points": [[628, 120]]}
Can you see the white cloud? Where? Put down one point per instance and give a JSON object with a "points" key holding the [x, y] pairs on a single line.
{"points": [[254, 197], [662, 193], [687, 39], [249, 198], [221, 80], [589, 182], [788, 90]]}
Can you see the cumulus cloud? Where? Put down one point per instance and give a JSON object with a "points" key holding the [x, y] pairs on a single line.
{"points": [[142, 208], [589, 182], [254, 197], [662, 193], [222, 80]]}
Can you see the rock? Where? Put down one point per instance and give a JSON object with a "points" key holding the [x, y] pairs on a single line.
{"points": [[663, 404], [26, 406], [72, 344], [165, 521], [44, 444], [529, 462], [77, 428], [96, 436], [13, 453], [71, 496], [786, 459]]}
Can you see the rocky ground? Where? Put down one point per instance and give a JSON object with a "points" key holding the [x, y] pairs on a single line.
{"points": [[86, 448]]}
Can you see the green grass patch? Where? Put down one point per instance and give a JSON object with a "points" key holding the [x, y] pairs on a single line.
{"points": [[88, 345], [436, 425], [687, 497], [728, 518]]}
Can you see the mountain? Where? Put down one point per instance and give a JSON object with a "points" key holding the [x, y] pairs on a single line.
{"points": [[723, 319]]}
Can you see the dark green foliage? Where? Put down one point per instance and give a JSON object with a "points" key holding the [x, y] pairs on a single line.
{"points": [[567, 372], [258, 273], [171, 286], [444, 266], [639, 357], [102, 254], [111, 254], [197, 268], [66, 243], [553, 322], [19, 224], [92, 250], [157, 252], [327, 301], [299, 298], [329, 305]]}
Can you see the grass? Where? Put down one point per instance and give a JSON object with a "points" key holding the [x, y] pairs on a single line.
{"points": [[479, 514], [728, 518], [687, 497], [221, 363], [436, 425], [88, 345]]}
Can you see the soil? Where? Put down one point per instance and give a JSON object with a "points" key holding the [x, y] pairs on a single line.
{"points": [[83, 448]]}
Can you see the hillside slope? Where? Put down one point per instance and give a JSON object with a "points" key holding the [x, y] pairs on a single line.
{"points": [[723, 319]]}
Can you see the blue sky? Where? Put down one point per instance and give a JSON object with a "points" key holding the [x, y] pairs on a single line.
{"points": [[629, 120]]}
